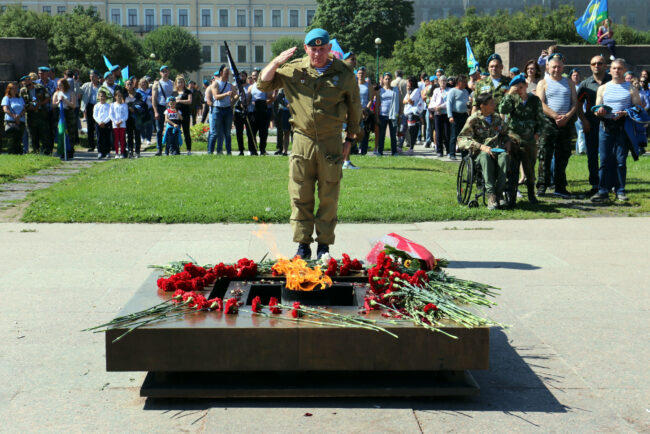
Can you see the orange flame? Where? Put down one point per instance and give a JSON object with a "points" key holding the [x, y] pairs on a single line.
{"points": [[299, 276], [264, 234]]}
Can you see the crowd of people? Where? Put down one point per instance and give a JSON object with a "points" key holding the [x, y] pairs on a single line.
{"points": [[535, 114]]}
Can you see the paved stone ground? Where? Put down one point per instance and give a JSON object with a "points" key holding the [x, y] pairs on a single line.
{"points": [[574, 290]]}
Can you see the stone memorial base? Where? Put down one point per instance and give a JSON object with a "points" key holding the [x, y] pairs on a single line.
{"points": [[214, 355]]}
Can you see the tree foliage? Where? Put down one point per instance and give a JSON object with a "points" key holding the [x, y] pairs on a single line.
{"points": [[286, 42], [175, 47], [356, 23]]}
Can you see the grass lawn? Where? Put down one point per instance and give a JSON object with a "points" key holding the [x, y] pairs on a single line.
{"points": [[17, 166], [206, 189]]}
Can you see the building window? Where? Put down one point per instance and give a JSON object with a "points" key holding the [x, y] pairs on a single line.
{"points": [[259, 54], [206, 18], [241, 53], [47, 10], [93, 8], [183, 18], [293, 18], [310, 16], [241, 18], [60, 10], [166, 17], [276, 18], [132, 16], [3, 9], [223, 17], [258, 18], [631, 20], [206, 53], [116, 17], [223, 58], [25, 8], [149, 20]]}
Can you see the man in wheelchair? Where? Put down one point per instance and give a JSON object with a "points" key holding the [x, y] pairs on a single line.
{"points": [[487, 138]]}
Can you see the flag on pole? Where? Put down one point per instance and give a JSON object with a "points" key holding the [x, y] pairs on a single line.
{"points": [[337, 51], [107, 62], [472, 63], [125, 74], [62, 138], [587, 24]]}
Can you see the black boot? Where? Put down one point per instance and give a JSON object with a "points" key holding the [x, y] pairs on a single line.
{"points": [[531, 195], [321, 250], [304, 251]]}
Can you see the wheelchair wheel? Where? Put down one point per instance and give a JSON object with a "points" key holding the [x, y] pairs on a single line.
{"points": [[473, 203], [465, 181]]}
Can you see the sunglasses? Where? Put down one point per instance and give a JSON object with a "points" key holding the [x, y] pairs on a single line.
{"points": [[598, 63], [556, 55]]}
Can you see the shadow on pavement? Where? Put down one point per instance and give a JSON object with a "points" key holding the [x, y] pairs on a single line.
{"points": [[509, 385], [492, 264]]}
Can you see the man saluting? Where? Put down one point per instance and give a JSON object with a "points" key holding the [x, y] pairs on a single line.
{"points": [[323, 94]]}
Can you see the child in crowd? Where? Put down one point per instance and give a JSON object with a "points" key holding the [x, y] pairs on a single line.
{"points": [[173, 120], [101, 114], [119, 115]]}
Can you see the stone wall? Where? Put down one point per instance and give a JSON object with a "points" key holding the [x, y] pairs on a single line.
{"points": [[19, 56]]}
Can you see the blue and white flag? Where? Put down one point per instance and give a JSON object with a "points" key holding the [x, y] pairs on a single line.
{"points": [[587, 24]]}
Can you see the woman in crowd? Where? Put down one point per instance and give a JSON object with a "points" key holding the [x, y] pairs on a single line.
{"points": [[13, 107], [457, 107], [119, 114], [533, 75], [388, 102], [102, 117], [438, 106], [581, 145], [147, 127], [606, 37], [413, 107], [135, 105], [183, 97], [65, 96]]}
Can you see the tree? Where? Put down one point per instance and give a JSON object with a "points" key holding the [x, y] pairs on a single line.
{"points": [[175, 47], [356, 23], [286, 42]]}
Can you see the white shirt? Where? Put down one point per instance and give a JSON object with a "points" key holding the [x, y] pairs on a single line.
{"points": [[119, 113], [101, 113], [416, 107]]}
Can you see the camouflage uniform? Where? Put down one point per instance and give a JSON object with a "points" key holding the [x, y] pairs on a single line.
{"points": [[320, 104], [495, 134], [525, 121], [38, 119], [486, 85]]}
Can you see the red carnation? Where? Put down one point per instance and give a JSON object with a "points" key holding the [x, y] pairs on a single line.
{"points": [[178, 296], [429, 307], [231, 306], [295, 311], [209, 277], [161, 282], [169, 286], [215, 304], [356, 265], [274, 302], [200, 302], [257, 304]]}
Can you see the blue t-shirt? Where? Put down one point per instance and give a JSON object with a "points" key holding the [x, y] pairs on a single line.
{"points": [[16, 105]]}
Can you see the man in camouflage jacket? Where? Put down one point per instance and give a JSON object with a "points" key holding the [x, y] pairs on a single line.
{"points": [[37, 97]]}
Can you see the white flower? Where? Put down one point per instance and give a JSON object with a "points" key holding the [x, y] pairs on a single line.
{"points": [[325, 258], [399, 260]]}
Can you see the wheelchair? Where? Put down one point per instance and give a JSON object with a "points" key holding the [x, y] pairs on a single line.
{"points": [[470, 185]]}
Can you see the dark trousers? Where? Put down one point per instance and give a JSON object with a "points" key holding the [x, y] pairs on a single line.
{"points": [[555, 143], [363, 144], [185, 125], [90, 124], [240, 124], [133, 135], [384, 123], [104, 135], [413, 133], [160, 125], [610, 44], [441, 123], [205, 112], [38, 125], [260, 124], [456, 127], [613, 155], [591, 140]]}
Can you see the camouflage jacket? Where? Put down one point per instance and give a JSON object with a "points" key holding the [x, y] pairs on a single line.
{"points": [[486, 85], [524, 120], [40, 93], [477, 131]]}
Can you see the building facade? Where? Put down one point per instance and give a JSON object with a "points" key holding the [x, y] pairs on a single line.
{"points": [[249, 27]]}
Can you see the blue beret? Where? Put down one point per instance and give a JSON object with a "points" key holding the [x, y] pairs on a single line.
{"points": [[43, 68], [107, 74], [494, 56], [514, 70], [132, 77], [317, 37], [171, 98], [432, 77], [206, 82], [521, 78], [573, 70], [163, 67], [440, 70], [114, 68]]}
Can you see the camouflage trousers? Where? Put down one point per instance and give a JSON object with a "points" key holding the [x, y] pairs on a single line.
{"points": [[555, 142]]}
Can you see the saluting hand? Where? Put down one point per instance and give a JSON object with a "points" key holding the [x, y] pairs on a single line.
{"points": [[284, 56]]}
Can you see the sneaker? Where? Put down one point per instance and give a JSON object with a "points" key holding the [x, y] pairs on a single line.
{"points": [[564, 194], [241, 153], [621, 197], [304, 251], [118, 156], [137, 155], [278, 152], [503, 203], [321, 250], [285, 154], [409, 152], [519, 195], [100, 156], [600, 197], [427, 144], [439, 155], [492, 202], [189, 152], [158, 154], [348, 165]]}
